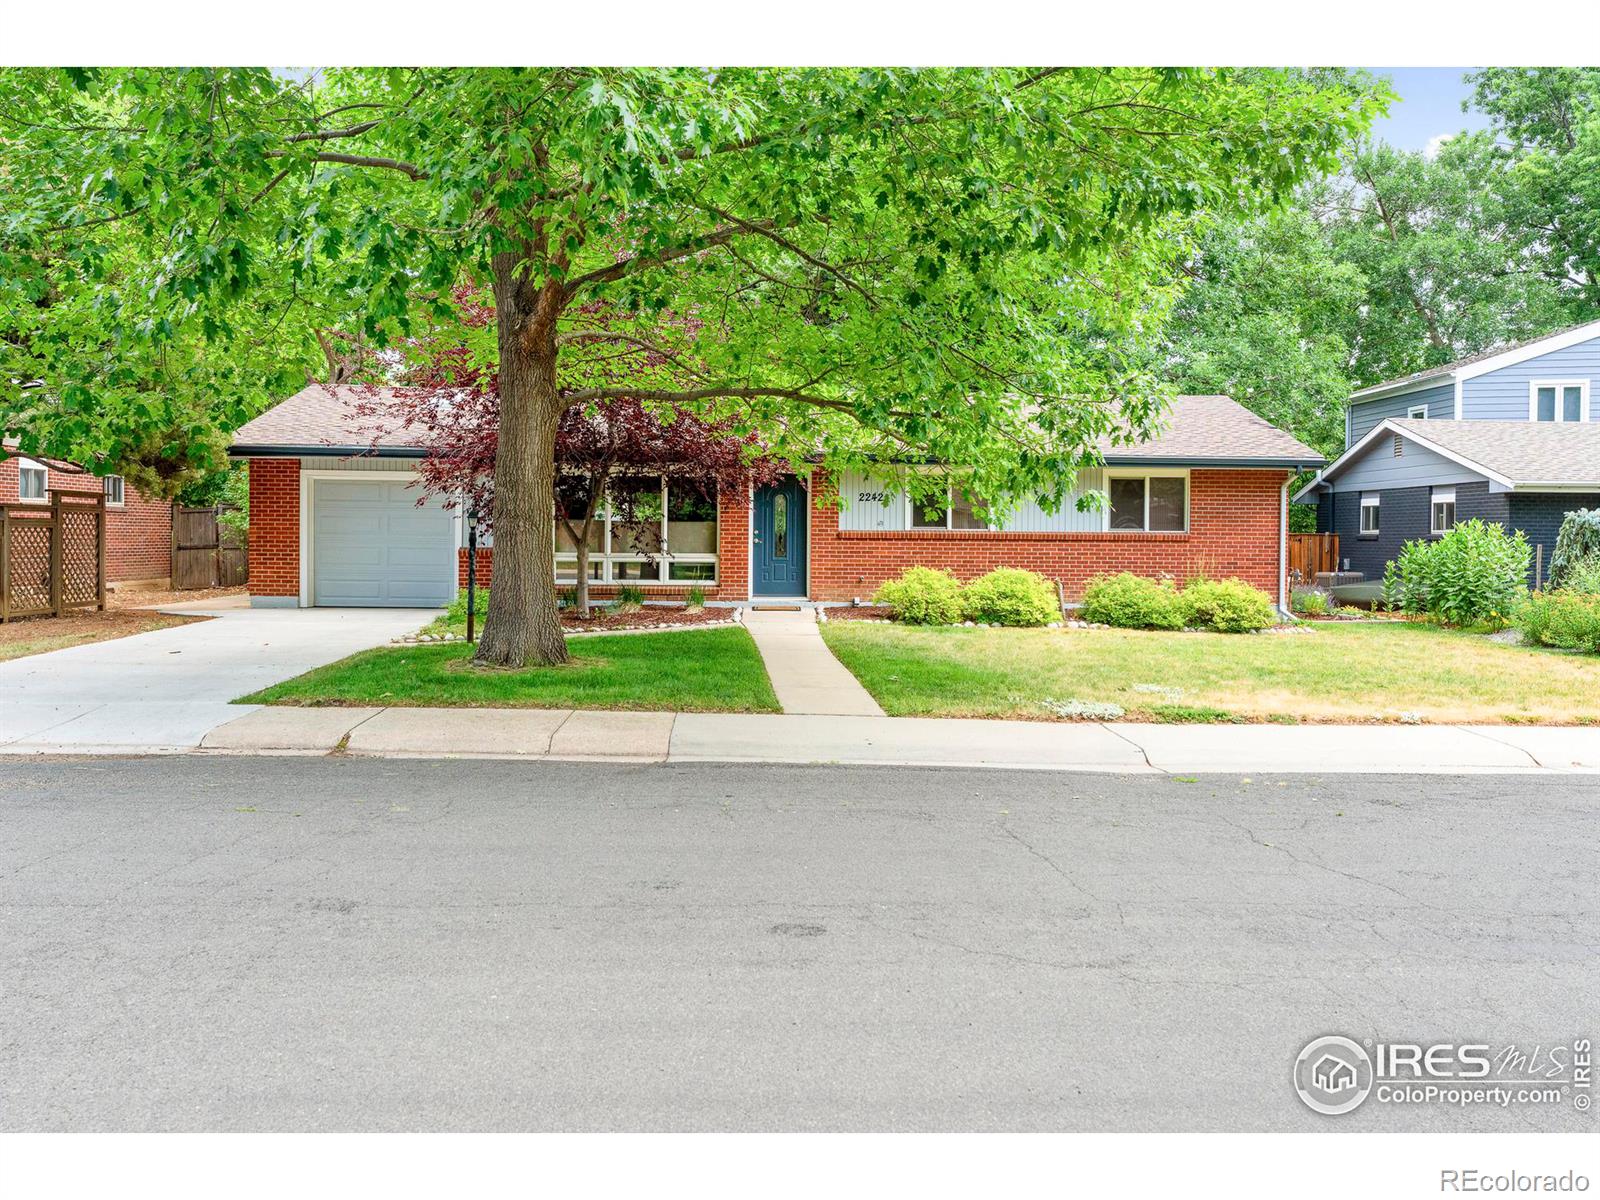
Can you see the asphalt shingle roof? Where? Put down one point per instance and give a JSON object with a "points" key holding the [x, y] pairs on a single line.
{"points": [[323, 416], [1195, 428], [1525, 452], [1450, 368], [1215, 429]]}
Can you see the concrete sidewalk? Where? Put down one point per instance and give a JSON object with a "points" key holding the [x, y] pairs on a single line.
{"points": [[647, 737], [805, 675]]}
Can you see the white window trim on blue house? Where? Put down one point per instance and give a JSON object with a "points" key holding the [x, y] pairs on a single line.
{"points": [[1559, 386], [1561, 341]]}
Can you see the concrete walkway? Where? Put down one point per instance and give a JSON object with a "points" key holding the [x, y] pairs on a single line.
{"points": [[655, 737], [806, 676], [166, 689]]}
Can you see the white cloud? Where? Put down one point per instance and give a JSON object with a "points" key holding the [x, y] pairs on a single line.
{"points": [[1435, 144]]}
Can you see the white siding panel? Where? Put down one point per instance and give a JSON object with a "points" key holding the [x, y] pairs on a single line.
{"points": [[863, 509]]}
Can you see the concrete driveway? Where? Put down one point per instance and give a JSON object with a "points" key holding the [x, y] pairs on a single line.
{"points": [[166, 689]]}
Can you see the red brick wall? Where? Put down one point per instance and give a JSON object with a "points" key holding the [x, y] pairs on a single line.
{"points": [[274, 526], [1233, 530], [138, 534]]}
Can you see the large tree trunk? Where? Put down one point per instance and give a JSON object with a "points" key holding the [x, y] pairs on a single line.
{"points": [[523, 625]]}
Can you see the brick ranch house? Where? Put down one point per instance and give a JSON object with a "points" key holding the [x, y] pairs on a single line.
{"points": [[335, 520], [138, 528]]}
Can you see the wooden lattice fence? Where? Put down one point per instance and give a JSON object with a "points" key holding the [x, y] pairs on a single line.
{"points": [[52, 556]]}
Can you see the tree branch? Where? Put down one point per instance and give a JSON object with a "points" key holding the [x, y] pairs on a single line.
{"points": [[322, 135], [358, 160], [635, 263]]}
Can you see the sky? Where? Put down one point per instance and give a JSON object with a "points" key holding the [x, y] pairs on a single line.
{"points": [[1429, 107]]}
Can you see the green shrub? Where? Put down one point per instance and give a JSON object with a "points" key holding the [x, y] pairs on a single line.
{"points": [[1584, 577], [567, 598], [1311, 604], [922, 596], [695, 597], [1008, 596], [1568, 619], [457, 612], [1226, 606], [1131, 601], [1475, 573], [629, 599], [1577, 542]]}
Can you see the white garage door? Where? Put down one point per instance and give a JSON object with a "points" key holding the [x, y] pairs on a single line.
{"points": [[373, 547]]}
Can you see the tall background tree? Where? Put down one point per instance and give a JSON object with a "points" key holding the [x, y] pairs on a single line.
{"points": [[963, 265], [1402, 260]]}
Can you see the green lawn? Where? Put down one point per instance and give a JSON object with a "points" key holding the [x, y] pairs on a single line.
{"points": [[712, 670], [1336, 672]]}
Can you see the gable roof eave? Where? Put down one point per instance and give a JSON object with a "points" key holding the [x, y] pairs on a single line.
{"points": [[1388, 426]]}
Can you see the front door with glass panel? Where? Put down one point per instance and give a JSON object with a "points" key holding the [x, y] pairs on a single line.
{"points": [[778, 555]]}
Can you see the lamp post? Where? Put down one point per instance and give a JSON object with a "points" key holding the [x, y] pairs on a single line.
{"points": [[472, 569]]}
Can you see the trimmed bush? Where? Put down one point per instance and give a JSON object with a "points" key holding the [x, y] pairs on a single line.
{"points": [[1578, 542], [1567, 619], [1226, 606], [1131, 601], [922, 596], [1476, 573], [1008, 596]]}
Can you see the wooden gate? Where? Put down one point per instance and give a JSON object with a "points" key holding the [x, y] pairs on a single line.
{"points": [[52, 556], [205, 552], [1310, 553]]}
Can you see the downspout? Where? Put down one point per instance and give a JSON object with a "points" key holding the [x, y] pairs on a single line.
{"points": [[1283, 546]]}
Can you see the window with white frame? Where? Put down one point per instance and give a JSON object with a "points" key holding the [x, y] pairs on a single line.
{"points": [[112, 486], [1418, 412], [961, 510], [1444, 510], [1154, 502], [669, 536], [1369, 514], [33, 480], [1558, 400]]}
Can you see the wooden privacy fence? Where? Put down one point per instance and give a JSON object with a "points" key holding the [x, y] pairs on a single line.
{"points": [[52, 556], [205, 552], [1310, 553]]}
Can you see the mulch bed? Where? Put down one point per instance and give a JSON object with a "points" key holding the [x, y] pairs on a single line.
{"points": [[150, 597], [865, 612], [79, 628], [652, 616]]}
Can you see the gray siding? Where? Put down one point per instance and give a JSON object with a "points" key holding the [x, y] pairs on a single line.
{"points": [[1503, 395], [1378, 468], [1539, 516], [1402, 517], [1365, 417]]}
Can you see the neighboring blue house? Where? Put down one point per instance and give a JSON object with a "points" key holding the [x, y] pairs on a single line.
{"points": [[1509, 436]]}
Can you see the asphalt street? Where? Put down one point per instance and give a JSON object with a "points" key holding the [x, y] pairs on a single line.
{"points": [[213, 943]]}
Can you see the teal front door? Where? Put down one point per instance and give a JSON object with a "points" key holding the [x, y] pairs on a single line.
{"points": [[778, 556]]}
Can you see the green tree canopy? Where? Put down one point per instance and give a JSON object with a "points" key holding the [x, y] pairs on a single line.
{"points": [[957, 264]]}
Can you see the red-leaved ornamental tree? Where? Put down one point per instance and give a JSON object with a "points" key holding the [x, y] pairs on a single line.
{"points": [[454, 409]]}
